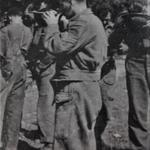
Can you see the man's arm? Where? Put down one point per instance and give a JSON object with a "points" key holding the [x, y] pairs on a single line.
{"points": [[116, 38], [79, 34], [57, 42]]}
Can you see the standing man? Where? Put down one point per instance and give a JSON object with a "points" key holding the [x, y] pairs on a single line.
{"points": [[79, 57], [15, 40], [108, 72], [40, 64], [134, 29]]}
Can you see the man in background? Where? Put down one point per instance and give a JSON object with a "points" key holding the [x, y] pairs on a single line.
{"points": [[15, 40], [134, 29], [42, 69]]}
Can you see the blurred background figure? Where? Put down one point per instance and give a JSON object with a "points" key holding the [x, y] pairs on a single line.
{"points": [[134, 29], [103, 10], [108, 75], [40, 65], [15, 40]]}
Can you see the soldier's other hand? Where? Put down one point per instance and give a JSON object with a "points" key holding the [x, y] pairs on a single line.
{"points": [[123, 47], [51, 17]]}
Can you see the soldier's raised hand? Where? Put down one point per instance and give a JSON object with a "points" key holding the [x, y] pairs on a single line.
{"points": [[51, 17]]}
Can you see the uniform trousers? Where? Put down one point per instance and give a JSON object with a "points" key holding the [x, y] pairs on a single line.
{"points": [[45, 107], [77, 106], [138, 86], [13, 107]]}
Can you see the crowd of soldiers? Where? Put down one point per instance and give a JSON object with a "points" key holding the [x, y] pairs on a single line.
{"points": [[69, 48]]}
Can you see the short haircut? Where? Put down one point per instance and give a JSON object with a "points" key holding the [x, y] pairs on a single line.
{"points": [[15, 11]]}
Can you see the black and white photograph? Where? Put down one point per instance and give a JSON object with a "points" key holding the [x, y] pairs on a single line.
{"points": [[74, 74]]}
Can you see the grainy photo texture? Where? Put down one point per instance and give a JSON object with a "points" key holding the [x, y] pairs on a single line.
{"points": [[74, 74]]}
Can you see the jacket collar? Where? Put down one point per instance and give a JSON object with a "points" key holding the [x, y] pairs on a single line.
{"points": [[86, 11]]}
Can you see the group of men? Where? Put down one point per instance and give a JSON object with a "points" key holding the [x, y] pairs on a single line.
{"points": [[70, 96]]}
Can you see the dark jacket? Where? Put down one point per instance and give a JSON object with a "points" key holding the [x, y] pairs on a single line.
{"points": [[38, 58], [133, 33]]}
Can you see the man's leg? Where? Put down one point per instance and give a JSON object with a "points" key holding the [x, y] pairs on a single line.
{"points": [[77, 106], [46, 109], [13, 114], [106, 84], [138, 93]]}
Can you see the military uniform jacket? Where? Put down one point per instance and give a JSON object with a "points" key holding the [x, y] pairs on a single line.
{"points": [[80, 52], [133, 35], [15, 41]]}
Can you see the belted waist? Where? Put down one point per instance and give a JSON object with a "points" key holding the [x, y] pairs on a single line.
{"points": [[77, 75], [143, 46], [138, 52]]}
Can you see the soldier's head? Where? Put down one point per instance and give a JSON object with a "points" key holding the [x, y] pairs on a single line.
{"points": [[15, 15], [71, 7]]}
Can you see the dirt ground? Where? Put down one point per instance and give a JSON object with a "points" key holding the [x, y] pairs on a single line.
{"points": [[115, 135]]}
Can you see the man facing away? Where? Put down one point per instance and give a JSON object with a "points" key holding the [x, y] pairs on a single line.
{"points": [[15, 40], [135, 31], [79, 57]]}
